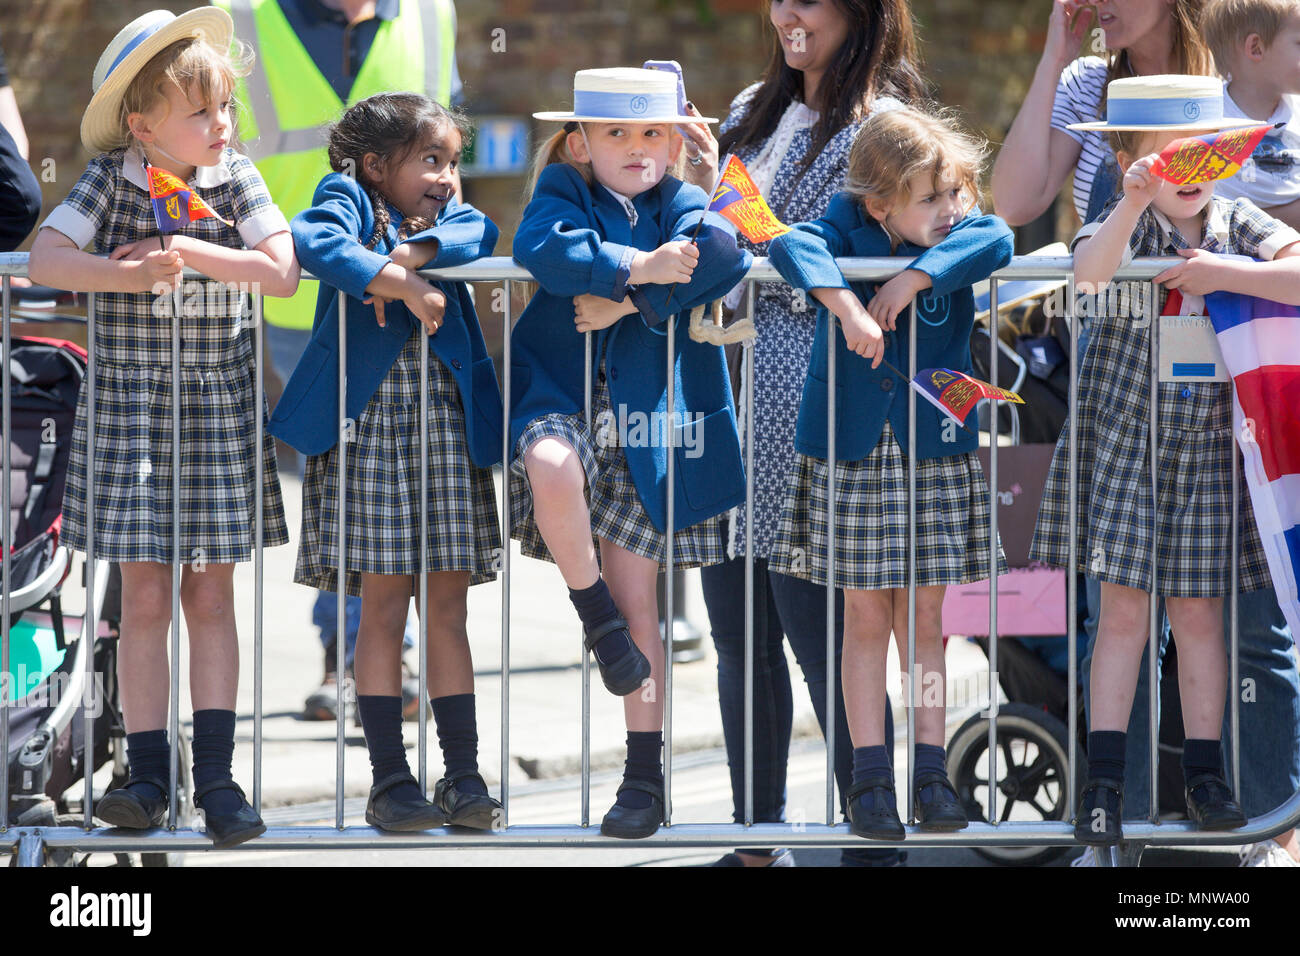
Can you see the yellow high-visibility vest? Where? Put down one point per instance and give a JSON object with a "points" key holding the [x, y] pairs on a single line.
{"points": [[285, 103]]}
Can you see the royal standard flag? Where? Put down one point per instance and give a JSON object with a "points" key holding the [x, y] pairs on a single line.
{"points": [[956, 393], [1208, 158], [175, 204], [737, 198]]}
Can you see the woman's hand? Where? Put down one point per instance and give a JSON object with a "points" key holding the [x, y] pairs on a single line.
{"points": [[896, 295], [1066, 28], [701, 152], [593, 312], [672, 262]]}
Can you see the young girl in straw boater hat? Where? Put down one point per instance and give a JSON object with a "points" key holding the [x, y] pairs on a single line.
{"points": [[162, 93], [1191, 527], [608, 236]]}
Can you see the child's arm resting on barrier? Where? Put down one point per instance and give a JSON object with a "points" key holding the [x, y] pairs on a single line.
{"points": [[270, 268], [805, 256], [56, 257], [1261, 237], [558, 245], [696, 272], [1098, 256], [462, 234]]}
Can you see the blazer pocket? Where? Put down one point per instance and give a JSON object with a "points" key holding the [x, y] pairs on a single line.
{"points": [[304, 381], [709, 468], [486, 397]]}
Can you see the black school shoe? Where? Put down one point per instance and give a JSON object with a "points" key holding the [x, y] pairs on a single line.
{"points": [[132, 810], [944, 812], [229, 829], [475, 810], [385, 813], [625, 675], [1106, 795], [876, 820], [629, 824], [1210, 803]]}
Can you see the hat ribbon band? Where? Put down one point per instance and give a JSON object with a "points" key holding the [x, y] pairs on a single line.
{"points": [[135, 42], [623, 106], [1166, 112]]}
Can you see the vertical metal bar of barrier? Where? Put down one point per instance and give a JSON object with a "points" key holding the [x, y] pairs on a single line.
{"points": [[422, 747], [910, 675], [586, 662], [1153, 605], [6, 677], [340, 594], [259, 508], [832, 344], [505, 560], [90, 627], [994, 408], [174, 720], [1234, 676], [1072, 552], [669, 432], [748, 373]]}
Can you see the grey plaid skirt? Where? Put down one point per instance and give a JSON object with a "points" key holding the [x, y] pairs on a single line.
{"points": [[383, 491], [133, 466], [617, 514], [952, 521], [1193, 547]]}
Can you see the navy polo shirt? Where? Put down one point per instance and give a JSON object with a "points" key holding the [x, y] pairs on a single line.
{"points": [[337, 51]]}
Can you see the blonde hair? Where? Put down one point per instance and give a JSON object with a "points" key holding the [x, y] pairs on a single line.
{"points": [[895, 145], [1226, 23], [195, 67]]}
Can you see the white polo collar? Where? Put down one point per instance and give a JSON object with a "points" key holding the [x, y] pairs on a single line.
{"points": [[1215, 225], [205, 177]]}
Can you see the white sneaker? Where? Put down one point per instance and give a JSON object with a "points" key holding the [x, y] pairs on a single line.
{"points": [[1089, 857], [1268, 853]]}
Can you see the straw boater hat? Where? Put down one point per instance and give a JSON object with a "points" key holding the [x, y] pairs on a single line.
{"points": [[134, 46], [624, 95], [1169, 102]]}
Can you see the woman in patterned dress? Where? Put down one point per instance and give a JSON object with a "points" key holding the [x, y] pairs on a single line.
{"points": [[795, 142], [162, 94]]}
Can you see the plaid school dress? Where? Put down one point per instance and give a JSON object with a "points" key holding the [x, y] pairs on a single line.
{"points": [[617, 514], [383, 492], [1194, 438], [110, 205]]}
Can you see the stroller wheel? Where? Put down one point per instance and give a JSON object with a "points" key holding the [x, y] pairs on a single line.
{"points": [[1033, 774]]}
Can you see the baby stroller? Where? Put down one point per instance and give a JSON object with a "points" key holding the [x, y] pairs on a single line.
{"points": [[49, 647], [1033, 654]]}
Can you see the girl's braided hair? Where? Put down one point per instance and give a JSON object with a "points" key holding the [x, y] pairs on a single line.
{"points": [[392, 126]]}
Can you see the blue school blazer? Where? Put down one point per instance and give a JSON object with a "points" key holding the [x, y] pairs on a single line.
{"points": [[325, 238], [577, 239], [865, 398]]}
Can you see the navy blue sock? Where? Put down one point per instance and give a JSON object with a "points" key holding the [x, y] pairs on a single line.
{"points": [[214, 748], [148, 755], [642, 764], [595, 605], [873, 762], [1202, 756], [458, 737], [381, 720], [1106, 754]]}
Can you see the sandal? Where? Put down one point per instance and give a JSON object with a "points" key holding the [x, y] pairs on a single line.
{"points": [[945, 813], [880, 821]]}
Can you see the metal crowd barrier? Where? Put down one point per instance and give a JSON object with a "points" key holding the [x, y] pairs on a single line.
{"points": [[29, 842]]}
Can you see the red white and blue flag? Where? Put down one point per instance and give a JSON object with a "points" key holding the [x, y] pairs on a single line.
{"points": [[1260, 342], [175, 204]]}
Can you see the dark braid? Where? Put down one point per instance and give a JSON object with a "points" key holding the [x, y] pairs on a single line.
{"points": [[389, 125]]}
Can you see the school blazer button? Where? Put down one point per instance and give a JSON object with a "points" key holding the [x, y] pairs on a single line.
{"points": [[887, 384], [613, 373], [455, 363]]}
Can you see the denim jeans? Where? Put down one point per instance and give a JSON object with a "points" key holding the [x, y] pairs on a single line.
{"points": [[285, 348], [784, 607], [1270, 709]]}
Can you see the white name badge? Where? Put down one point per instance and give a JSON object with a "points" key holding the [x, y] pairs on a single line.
{"points": [[1189, 349]]}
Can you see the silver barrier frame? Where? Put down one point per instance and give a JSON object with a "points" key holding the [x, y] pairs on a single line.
{"points": [[28, 842]]}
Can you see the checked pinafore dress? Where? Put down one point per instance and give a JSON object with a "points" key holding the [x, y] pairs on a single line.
{"points": [[133, 422], [1194, 434]]}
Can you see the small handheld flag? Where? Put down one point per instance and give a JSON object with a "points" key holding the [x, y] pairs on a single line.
{"points": [[738, 199], [956, 393], [1208, 158], [175, 204]]}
